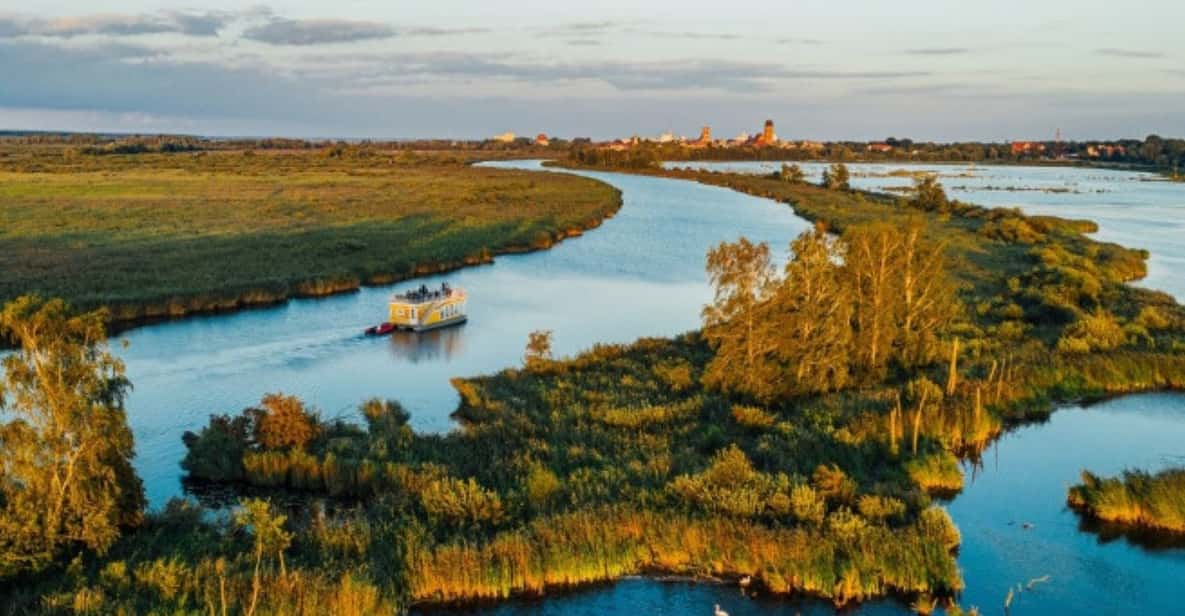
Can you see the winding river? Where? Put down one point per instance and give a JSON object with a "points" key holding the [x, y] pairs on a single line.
{"points": [[641, 274]]}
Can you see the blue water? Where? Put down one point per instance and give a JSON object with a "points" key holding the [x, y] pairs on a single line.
{"points": [[641, 274], [1138, 210]]}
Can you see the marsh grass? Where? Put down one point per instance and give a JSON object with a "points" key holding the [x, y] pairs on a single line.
{"points": [[1136, 499], [157, 235]]}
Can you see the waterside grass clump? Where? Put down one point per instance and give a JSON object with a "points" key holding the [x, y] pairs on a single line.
{"points": [[1134, 500]]}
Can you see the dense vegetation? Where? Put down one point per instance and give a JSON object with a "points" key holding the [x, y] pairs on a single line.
{"points": [[813, 469], [1135, 500], [165, 234], [1154, 153]]}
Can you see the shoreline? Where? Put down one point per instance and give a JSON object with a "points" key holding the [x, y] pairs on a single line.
{"points": [[132, 316]]}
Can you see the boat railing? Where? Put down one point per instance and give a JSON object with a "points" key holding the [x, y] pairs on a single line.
{"points": [[421, 297]]}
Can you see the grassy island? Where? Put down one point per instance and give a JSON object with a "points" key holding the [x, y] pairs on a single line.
{"points": [[164, 234], [799, 438], [1136, 500]]}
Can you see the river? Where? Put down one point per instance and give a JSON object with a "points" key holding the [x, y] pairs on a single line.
{"points": [[641, 274]]}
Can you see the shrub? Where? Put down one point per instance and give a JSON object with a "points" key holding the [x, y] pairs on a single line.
{"points": [[542, 487], [461, 503], [880, 508], [676, 376], [216, 453], [1099, 331], [938, 471], [807, 504], [284, 422], [753, 417], [833, 483], [730, 485]]}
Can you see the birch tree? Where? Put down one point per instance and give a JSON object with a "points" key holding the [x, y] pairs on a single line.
{"points": [[66, 478], [737, 323]]}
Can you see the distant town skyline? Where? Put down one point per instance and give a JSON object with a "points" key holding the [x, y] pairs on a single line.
{"points": [[921, 69]]}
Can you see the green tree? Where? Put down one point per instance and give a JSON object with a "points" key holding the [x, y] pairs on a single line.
{"points": [[837, 177], [283, 422], [737, 323], [813, 317], [66, 477], [792, 174], [927, 297], [929, 195], [388, 429], [872, 268], [538, 351], [266, 526]]}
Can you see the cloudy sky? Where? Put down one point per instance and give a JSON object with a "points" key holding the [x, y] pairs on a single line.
{"points": [[861, 69]]}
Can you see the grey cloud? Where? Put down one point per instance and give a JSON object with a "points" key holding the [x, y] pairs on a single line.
{"points": [[693, 35], [213, 99], [103, 24], [675, 75], [1128, 53], [280, 31], [123, 78], [584, 29], [798, 41], [589, 26], [194, 24], [584, 42], [427, 31], [938, 51], [10, 27], [944, 89], [203, 24]]}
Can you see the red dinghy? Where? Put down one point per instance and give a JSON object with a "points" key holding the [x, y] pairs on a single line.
{"points": [[380, 330]]}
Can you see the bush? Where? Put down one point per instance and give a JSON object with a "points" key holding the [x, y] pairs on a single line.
{"points": [[1099, 331], [216, 453], [807, 504], [283, 422], [880, 508], [461, 503], [753, 417]]}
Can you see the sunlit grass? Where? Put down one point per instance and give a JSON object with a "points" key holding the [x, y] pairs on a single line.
{"points": [[154, 235]]}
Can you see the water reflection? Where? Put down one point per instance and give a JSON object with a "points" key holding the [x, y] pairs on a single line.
{"points": [[430, 346]]}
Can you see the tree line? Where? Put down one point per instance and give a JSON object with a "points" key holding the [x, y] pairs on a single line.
{"points": [[842, 311]]}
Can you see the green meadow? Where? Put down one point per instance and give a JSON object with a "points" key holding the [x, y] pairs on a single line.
{"points": [[167, 234]]}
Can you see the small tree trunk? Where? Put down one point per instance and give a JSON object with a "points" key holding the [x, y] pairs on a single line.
{"points": [[917, 421], [255, 581], [893, 428], [1000, 382], [952, 380]]}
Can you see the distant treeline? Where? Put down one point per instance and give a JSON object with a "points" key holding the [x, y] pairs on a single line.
{"points": [[1166, 155], [1154, 152], [94, 143]]}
